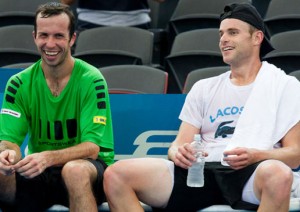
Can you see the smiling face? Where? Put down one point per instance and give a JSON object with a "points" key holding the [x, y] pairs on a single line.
{"points": [[239, 41], [53, 40]]}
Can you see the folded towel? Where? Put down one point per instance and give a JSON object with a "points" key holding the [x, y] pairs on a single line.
{"points": [[271, 110]]}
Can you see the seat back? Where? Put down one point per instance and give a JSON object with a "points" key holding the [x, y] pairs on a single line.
{"points": [[286, 41], [282, 15], [113, 40], [295, 74], [287, 50], [135, 79], [18, 37], [19, 12], [192, 50], [197, 40], [17, 45], [202, 73], [197, 14]]}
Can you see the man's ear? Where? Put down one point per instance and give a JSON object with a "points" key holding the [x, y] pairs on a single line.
{"points": [[73, 39], [258, 37]]}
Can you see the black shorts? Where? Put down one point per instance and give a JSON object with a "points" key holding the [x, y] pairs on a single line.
{"points": [[47, 189], [222, 185]]}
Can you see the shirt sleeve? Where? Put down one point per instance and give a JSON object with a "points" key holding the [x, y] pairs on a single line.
{"points": [[13, 118], [193, 106], [95, 121]]}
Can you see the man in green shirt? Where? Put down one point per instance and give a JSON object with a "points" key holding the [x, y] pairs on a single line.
{"points": [[62, 103]]}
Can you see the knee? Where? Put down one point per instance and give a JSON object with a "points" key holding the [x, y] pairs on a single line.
{"points": [[74, 172], [275, 175], [113, 176]]}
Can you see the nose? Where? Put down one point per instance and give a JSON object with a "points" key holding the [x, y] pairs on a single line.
{"points": [[220, 42], [51, 42], [222, 38]]}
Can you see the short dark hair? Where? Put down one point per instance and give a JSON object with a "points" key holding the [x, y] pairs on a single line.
{"points": [[55, 8]]}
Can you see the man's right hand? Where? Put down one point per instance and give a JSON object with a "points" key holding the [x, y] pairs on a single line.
{"points": [[184, 156], [7, 159]]}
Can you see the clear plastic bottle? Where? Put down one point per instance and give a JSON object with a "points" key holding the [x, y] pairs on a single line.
{"points": [[195, 176]]}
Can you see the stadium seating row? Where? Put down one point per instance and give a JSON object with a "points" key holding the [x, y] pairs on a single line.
{"points": [[140, 79], [107, 46], [177, 16], [192, 37]]}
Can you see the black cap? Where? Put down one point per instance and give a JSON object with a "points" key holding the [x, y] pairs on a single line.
{"points": [[249, 14]]}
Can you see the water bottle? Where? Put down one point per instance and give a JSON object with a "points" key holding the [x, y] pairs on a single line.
{"points": [[195, 176]]}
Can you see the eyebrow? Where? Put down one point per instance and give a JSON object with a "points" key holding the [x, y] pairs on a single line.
{"points": [[229, 29], [232, 28]]}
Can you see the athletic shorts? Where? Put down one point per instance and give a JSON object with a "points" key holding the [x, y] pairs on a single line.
{"points": [[222, 185], [47, 189]]}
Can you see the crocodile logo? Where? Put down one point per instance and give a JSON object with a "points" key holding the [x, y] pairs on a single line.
{"points": [[224, 131]]}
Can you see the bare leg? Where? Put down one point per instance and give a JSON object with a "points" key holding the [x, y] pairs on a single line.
{"points": [[79, 176], [143, 179], [7, 188], [272, 185]]}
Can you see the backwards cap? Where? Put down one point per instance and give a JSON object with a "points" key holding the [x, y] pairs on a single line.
{"points": [[248, 14]]}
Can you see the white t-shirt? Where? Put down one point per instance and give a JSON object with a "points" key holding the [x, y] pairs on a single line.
{"points": [[214, 106]]}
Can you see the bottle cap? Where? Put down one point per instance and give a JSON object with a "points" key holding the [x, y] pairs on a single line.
{"points": [[197, 137]]}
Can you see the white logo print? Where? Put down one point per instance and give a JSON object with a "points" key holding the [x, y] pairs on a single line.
{"points": [[11, 113], [143, 146]]}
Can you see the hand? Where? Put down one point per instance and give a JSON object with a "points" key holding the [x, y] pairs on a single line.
{"points": [[7, 159], [240, 157], [185, 156], [32, 165]]}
